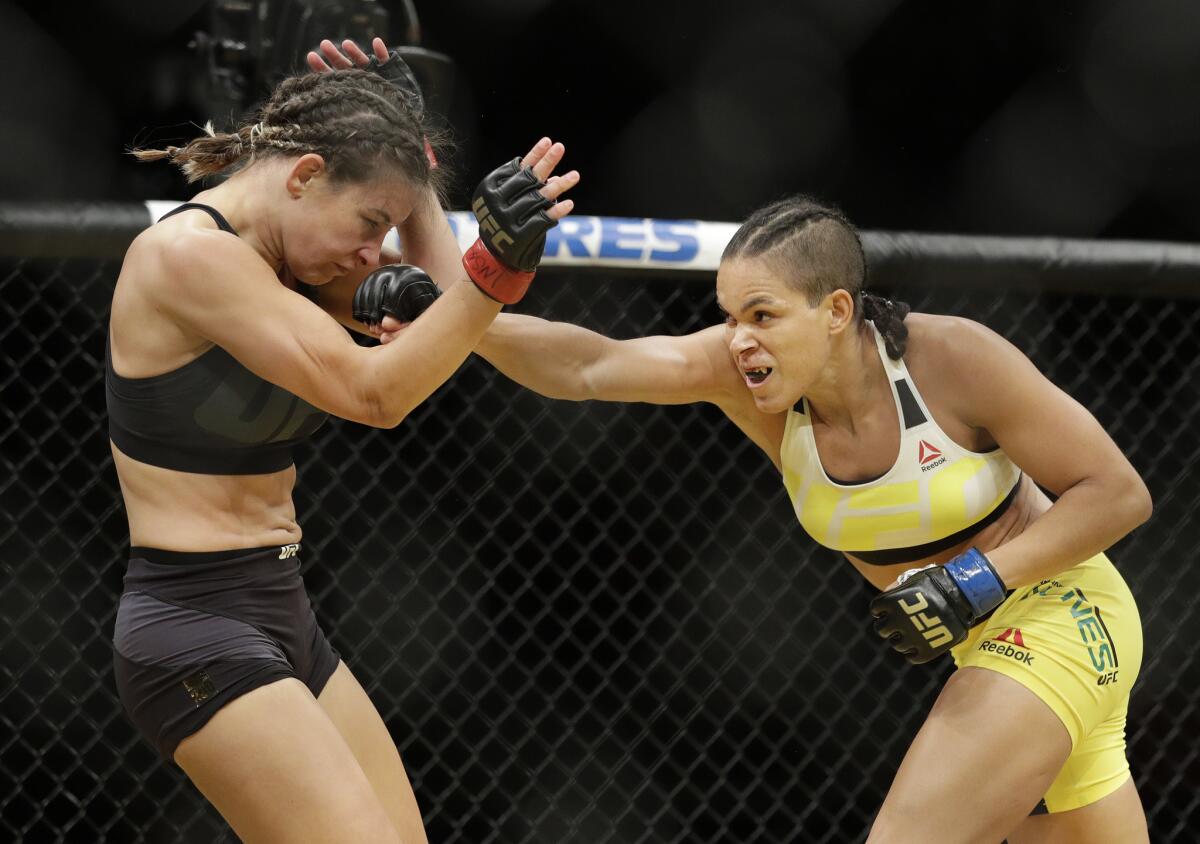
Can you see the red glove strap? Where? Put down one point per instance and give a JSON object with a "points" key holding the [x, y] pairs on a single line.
{"points": [[493, 278]]}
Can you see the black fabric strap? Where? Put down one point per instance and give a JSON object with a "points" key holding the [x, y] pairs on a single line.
{"points": [[221, 222]]}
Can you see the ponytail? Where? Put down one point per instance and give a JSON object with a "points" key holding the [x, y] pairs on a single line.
{"points": [[888, 317], [211, 153]]}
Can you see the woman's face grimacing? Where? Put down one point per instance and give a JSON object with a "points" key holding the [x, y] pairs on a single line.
{"points": [[332, 229], [778, 342]]}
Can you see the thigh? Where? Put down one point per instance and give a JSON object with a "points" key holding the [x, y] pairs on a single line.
{"points": [[356, 718], [1115, 819], [980, 763], [275, 766]]}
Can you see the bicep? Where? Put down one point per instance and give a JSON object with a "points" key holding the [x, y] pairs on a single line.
{"points": [[222, 291], [664, 370]]}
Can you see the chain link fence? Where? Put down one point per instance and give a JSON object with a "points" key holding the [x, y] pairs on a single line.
{"points": [[581, 622]]}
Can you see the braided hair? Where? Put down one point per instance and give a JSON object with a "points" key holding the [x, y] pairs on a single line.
{"points": [[817, 251], [356, 120]]}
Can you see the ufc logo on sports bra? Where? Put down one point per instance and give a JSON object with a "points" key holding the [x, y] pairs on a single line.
{"points": [[286, 551], [929, 626]]}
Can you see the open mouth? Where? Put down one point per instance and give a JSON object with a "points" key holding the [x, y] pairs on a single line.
{"points": [[756, 376]]}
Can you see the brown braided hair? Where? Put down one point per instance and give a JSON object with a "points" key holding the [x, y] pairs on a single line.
{"points": [[356, 120], [817, 251]]}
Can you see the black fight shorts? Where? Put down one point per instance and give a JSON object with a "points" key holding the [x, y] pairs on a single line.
{"points": [[197, 630]]}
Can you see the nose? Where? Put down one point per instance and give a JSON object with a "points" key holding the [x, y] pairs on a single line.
{"points": [[368, 255], [742, 339]]}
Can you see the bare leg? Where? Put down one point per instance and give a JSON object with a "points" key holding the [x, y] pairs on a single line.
{"points": [[275, 766], [983, 759], [1115, 819], [357, 719]]}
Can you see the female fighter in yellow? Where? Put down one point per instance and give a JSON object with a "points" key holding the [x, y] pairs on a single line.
{"points": [[916, 444]]}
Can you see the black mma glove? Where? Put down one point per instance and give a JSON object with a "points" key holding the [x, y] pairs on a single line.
{"points": [[396, 71], [512, 232], [400, 290], [932, 608]]}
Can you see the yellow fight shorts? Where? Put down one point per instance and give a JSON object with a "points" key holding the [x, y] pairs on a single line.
{"points": [[1075, 641]]}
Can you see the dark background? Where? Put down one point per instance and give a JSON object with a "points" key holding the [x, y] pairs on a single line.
{"points": [[593, 622], [1073, 119]]}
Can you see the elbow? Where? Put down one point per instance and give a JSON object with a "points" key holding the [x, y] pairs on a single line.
{"points": [[374, 405], [1141, 505], [381, 411], [581, 390], [585, 386], [1128, 502]]}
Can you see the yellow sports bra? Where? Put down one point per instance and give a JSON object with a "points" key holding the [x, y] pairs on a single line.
{"points": [[936, 494]]}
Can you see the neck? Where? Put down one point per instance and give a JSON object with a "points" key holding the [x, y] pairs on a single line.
{"points": [[248, 201], [853, 382]]}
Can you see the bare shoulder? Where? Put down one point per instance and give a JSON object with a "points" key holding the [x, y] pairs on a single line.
{"points": [[956, 344], [709, 346], [154, 286], [966, 367], [166, 258], [730, 394], [196, 250]]}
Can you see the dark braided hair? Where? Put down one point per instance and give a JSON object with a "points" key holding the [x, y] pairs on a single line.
{"points": [[817, 251], [888, 317], [356, 120]]}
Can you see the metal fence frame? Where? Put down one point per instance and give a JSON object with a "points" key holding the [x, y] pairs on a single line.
{"points": [[609, 629]]}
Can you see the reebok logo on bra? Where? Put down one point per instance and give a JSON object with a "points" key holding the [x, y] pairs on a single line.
{"points": [[930, 457]]}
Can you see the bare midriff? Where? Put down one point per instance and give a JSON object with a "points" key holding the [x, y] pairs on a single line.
{"points": [[182, 511]]}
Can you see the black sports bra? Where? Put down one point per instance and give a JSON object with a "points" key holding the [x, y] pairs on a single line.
{"points": [[211, 416]]}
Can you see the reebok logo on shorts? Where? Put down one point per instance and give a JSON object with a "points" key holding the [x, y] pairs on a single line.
{"points": [[1012, 634], [1013, 646]]}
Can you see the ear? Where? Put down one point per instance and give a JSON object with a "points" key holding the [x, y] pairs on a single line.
{"points": [[840, 306], [305, 170]]}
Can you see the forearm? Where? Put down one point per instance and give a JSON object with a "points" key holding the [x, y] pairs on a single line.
{"points": [[406, 371], [550, 358], [428, 242], [1087, 519]]}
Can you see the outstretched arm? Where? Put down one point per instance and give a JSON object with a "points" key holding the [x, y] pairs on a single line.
{"points": [[565, 361]]}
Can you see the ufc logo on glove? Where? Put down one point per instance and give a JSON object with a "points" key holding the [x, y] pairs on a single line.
{"points": [[930, 627], [487, 223]]}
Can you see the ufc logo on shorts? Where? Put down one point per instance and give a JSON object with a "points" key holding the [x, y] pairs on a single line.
{"points": [[487, 223], [929, 626], [286, 551]]}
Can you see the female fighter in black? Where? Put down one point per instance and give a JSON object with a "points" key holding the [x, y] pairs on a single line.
{"points": [[217, 366]]}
